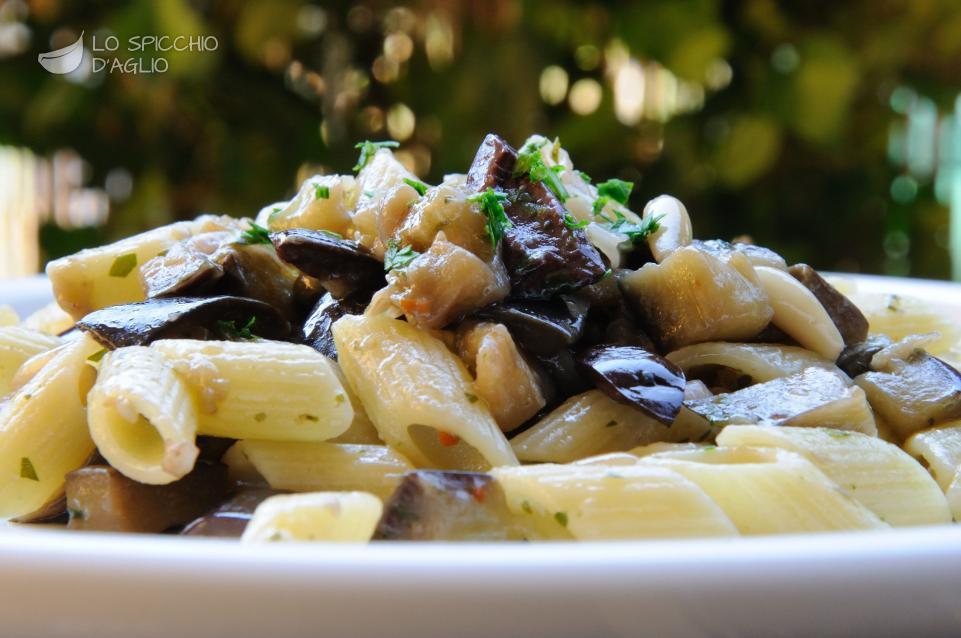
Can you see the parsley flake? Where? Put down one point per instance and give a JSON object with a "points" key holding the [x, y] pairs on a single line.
{"points": [[570, 222], [491, 205], [97, 356], [561, 518], [321, 191], [584, 176], [526, 506], [530, 161], [368, 149], [470, 397], [396, 257], [330, 233], [420, 187], [27, 470], [636, 233], [123, 265], [230, 331], [256, 234], [610, 423], [616, 189], [839, 434]]}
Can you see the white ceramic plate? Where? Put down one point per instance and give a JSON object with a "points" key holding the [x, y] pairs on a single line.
{"points": [[899, 582]]}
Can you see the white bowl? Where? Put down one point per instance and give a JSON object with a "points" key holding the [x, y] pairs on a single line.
{"points": [[897, 582]]}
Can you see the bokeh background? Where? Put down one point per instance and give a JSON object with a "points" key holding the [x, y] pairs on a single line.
{"points": [[828, 131]]}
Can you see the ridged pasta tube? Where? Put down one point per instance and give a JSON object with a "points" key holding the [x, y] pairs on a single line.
{"points": [[317, 516], [940, 449], [17, 345]]}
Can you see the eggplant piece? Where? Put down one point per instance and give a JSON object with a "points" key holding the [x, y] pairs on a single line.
{"points": [[100, 498], [142, 323], [316, 330], [638, 378], [230, 518], [188, 268], [693, 296], [330, 258], [431, 505], [848, 318], [542, 254], [814, 397], [856, 359], [760, 362], [561, 370], [540, 327], [912, 392]]}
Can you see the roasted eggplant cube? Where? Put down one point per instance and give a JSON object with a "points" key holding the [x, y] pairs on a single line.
{"points": [[447, 506], [850, 321], [230, 518]]}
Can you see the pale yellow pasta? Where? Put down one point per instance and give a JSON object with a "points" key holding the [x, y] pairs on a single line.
{"points": [[43, 430], [799, 313], [940, 450], [51, 320], [760, 361], [142, 416], [768, 491], [361, 430], [597, 502], [109, 275], [879, 475], [317, 516], [261, 389], [8, 316], [900, 316], [592, 423], [419, 395], [17, 345], [312, 467]]}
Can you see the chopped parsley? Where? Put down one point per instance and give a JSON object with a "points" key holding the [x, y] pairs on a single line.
{"points": [[27, 470], [607, 273], [256, 234], [491, 205], [97, 356], [230, 331], [616, 189], [570, 222], [610, 423], [321, 191], [331, 233], [526, 506], [339, 398], [839, 434], [368, 149], [309, 417], [396, 257], [276, 210], [530, 161], [260, 417], [470, 397], [123, 264], [584, 176], [636, 233], [561, 518], [420, 187]]}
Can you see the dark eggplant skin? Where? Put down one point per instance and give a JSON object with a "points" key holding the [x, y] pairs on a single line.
{"points": [[447, 506], [329, 258], [638, 378], [540, 327], [317, 329], [856, 359], [142, 323], [850, 321], [230, 518], [542, 254]]}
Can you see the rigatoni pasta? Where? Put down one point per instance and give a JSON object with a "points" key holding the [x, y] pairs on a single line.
{"points": [[17, 345]]}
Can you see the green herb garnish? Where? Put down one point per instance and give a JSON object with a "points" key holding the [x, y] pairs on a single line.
{"points": [[123, 264], [491, 205], [331, 233], [321, 191], [616, 189], [584, 176], [561, 518], [610, 423], [260, 417], [97, 356], [420, 187], [368, 149], [230, 331], [526, 506], [530, 161], [570, 222], [27, 470], [470, 397], [396, 257], [256, 234], [839, 434], [636, 233]]}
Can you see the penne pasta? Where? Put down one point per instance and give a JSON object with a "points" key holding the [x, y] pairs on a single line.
{"points": [[8, 316], [939, 449], [43, 430], [597, 502], [237, 386], [324, 467], [879, 475], [17, 345], [419, 395], [51, 320], [142, 416], [318, 516]]}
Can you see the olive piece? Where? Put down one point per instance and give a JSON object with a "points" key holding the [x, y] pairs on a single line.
{"points": [[142, 323], [637, 378], [329, 258]]}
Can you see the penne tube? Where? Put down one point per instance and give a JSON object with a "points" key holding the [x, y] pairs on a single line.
{"points": [[43, 430], [317, 516], [8, 316], [261, 389], [320, 467], [51, 320], [142, 416], [17, 345], [940, 450], [419, 395]]}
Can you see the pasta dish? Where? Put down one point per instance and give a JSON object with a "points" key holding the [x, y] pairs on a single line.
{"points": [[511, 354]]}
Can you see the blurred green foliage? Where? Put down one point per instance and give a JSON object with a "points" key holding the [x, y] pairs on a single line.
{"points": [[790, 147]]}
